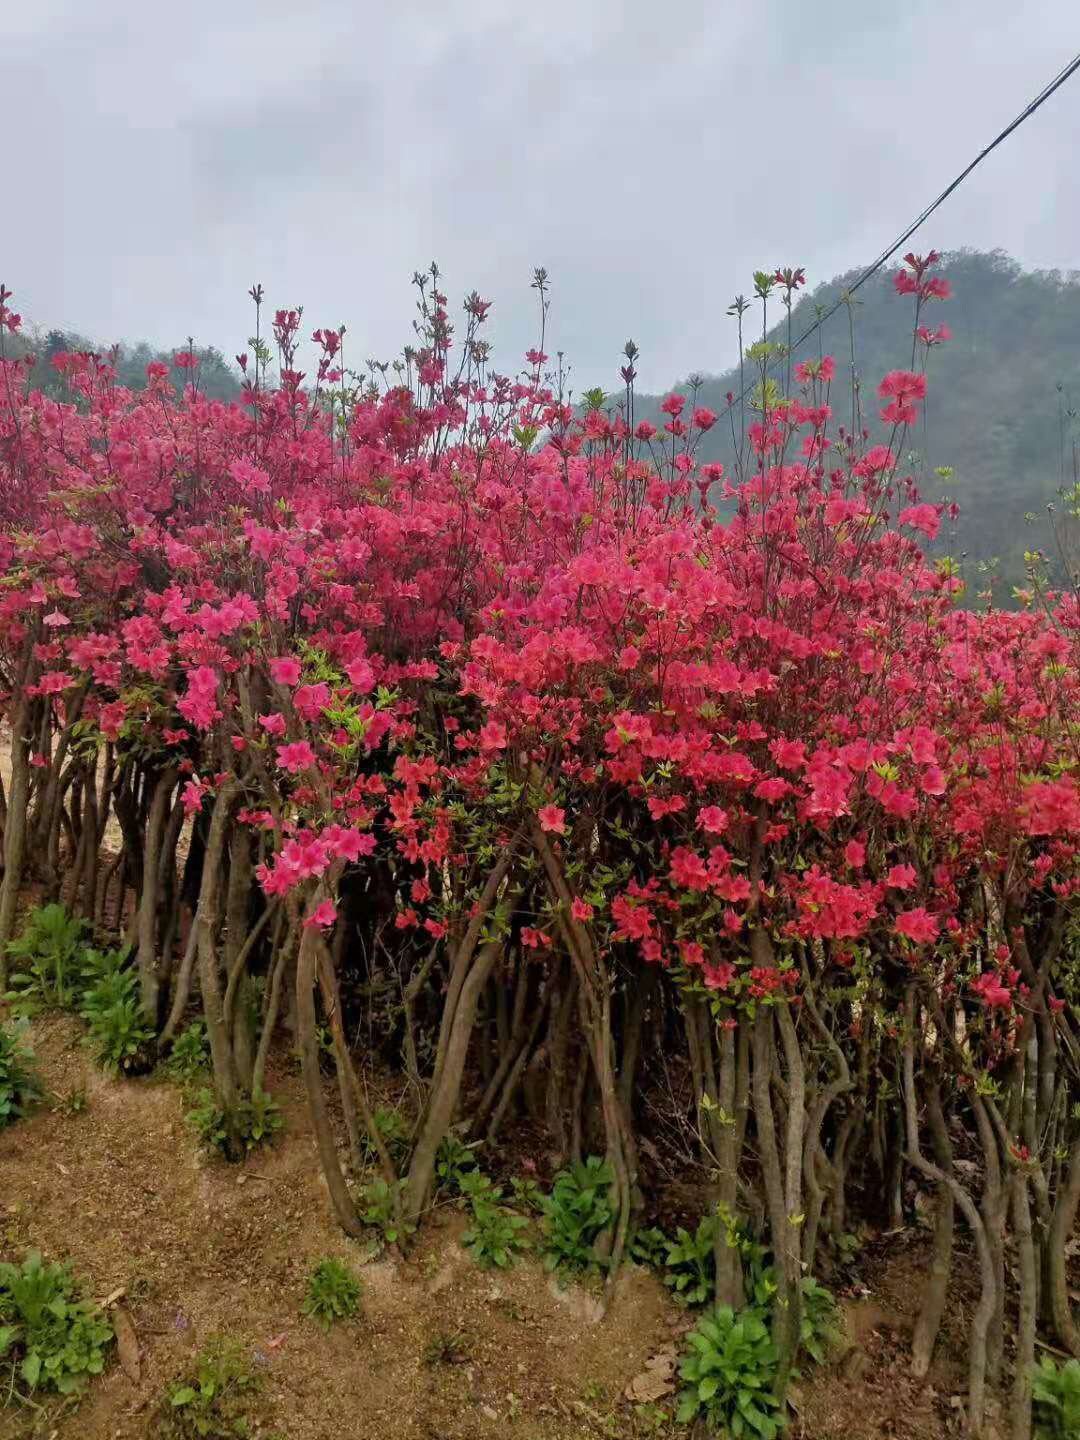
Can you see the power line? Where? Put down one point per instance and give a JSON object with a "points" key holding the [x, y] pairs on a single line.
{"points": [[1055, 84]]}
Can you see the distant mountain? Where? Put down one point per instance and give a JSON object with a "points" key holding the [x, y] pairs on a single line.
{"points": [[1003, 402]]}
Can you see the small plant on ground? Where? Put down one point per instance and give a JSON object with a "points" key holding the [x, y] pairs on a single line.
{"points": [[576, 1213], [333, 1293], [46, 959], [255, 1122], [819, 1328], [760, 1277], [649, 1246], [496, 1233], [392, 1131], [846, 1246], [730, 1372], [1056, 1396], [208, 1120], [448, 1347], [19, 1085], [74, 1101], [691, 1263], [210, 1400], [527, 1195], [455, 1158], [53, 1340], [260, 1120], [189, 1058], [380, 1208], [117, 1031], [650, 1421]]}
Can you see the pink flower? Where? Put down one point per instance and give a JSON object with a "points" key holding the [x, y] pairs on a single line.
{"points": [[917, 925], [322, 917], [56, 618], [552, 819], [712, 819], [493, 736], [348, 844], [311, 700], [789, 754], [992, 990], [901, 877], [932, 780], [273, 724], [304, 857], [581, 909], [1052, 806], [111, 719], [926, 518], [295, 757], [903, 385], [855, 854], [719, 977], [361, 676], [54, 681], [285, 670]]}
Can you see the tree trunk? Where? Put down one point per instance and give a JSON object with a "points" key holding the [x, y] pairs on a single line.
{"points": [[932, 1306], [306, 980], [146, 957]]}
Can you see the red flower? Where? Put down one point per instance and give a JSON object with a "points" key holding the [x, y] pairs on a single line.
{"points": [[285, 670], [295, 757], [552, 819], [917, 925], [322, 917]]}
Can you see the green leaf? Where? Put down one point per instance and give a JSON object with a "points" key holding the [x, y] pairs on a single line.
{"points": [[688, 1408], [184, 1396], [31, 1368]]}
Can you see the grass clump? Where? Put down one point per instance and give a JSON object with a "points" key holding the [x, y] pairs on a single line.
{"points": [[211, 1399], [333, 1293]]}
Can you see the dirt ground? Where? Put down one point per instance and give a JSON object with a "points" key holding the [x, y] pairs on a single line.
{"points": [[190, 1247]]}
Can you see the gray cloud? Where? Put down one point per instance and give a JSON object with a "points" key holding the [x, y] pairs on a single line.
{"points": [[157, 162]]}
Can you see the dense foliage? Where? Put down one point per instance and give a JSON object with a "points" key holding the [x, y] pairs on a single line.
{"points": [[554, 764]]}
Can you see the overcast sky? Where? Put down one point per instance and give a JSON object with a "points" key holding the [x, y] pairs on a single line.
{"points": [[158, 159]]}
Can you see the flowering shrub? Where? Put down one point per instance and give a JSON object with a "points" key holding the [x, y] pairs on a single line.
{"points": [[555, 722]]}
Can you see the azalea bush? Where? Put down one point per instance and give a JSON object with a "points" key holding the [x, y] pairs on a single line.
{"points": [[433, 707]]}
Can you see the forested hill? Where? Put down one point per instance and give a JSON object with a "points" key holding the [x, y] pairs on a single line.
{"points": [[218, 378], [1001, 410]]}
